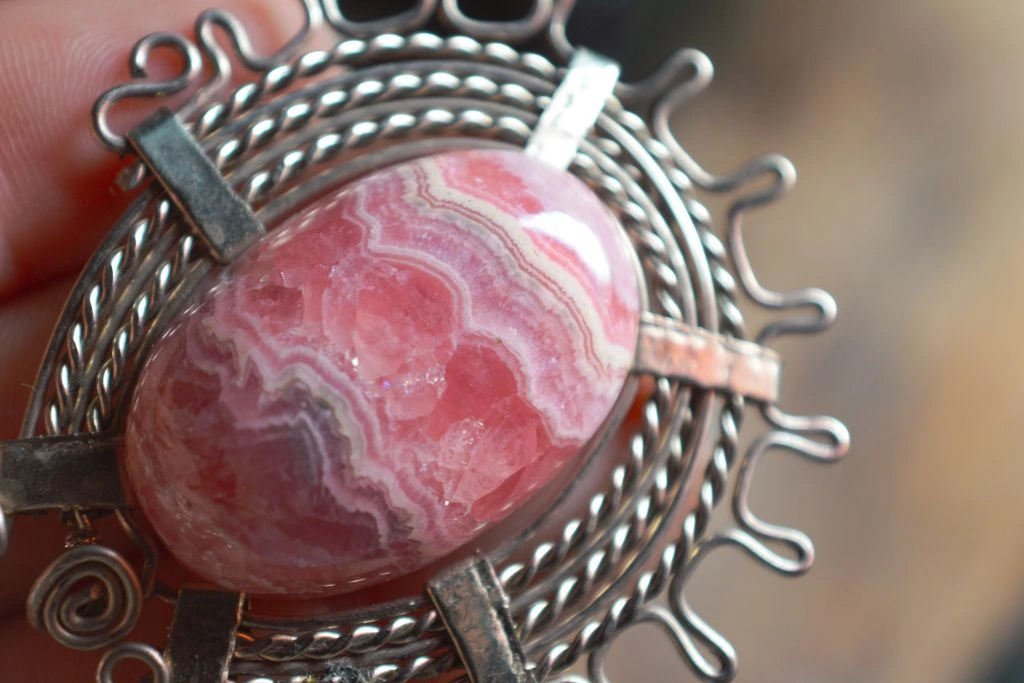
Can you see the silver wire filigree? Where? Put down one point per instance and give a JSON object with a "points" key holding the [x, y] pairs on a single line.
{"points": [[88, 598], [147, 654], [384, 93]]}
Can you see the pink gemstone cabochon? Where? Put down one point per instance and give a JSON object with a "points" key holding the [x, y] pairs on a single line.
{"points": [[387, 375]]}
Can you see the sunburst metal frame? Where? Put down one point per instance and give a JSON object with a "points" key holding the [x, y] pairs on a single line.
{"points": [[311, 120]]}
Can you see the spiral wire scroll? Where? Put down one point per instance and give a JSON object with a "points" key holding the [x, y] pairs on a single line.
{"points": [[86, 599], [575, 593]]}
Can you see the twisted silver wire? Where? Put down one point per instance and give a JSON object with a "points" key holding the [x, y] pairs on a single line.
{"points": [[575, 592], [789, 432], [260, 183], [579, 593], [192, 69], [596, 633], [476, 120], [352, 53], [399, 670], [242, 49], [261, 178], [717, 475], [333, 643]]}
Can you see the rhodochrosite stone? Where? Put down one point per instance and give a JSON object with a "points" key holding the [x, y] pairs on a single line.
{"points": [[389, 373]]}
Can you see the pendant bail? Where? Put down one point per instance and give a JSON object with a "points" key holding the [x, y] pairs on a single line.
{"points": [[475, 609], [206, 200]]}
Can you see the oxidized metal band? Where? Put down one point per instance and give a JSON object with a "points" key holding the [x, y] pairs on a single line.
{"points": [[235, 159]]}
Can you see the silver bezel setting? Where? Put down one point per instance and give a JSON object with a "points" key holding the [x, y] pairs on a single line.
{"points": [[387, 91]]}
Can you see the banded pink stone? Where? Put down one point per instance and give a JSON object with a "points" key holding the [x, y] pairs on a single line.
{"points": [[384, 377]]}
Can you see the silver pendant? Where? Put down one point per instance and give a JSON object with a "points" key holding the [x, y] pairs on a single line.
{"points": [[232, 160]]}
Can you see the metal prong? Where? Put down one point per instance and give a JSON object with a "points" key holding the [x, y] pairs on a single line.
{"points": [[475, 610], [195, 185], [60, 472], [575, 106], [669, 348], [203, 635]]}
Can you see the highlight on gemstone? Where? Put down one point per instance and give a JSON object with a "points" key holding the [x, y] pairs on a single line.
{"points": [[387, 375]]}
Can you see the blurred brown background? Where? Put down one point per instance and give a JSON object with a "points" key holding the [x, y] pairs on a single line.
{"points": [[904, 120]]}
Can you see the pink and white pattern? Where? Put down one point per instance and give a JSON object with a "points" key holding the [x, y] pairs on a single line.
{"points": [[386, 376]]}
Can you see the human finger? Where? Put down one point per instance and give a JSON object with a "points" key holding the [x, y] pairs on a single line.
{"points": [[56, 181]]}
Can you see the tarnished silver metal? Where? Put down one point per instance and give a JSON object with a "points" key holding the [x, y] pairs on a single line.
{"points": [[198, 190], [669, 348], [67, 473], [203, 635], [88, 598], [139, 64], [384, 92], [515, 31], [60, 473], [147, 654], [409, 20], [475, 610], [193, 55], [585, 88]]}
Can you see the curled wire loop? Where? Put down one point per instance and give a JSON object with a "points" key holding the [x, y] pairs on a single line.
{"points": [[86, 599], [661, 617], [191, 53], [242, 50], [794, 434], [407, 94], [692, 71], [412, 19], [312, 121], [146, 654], [558, 38], [514, 31], [817, 438], [139, 67], [546, 16]]}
